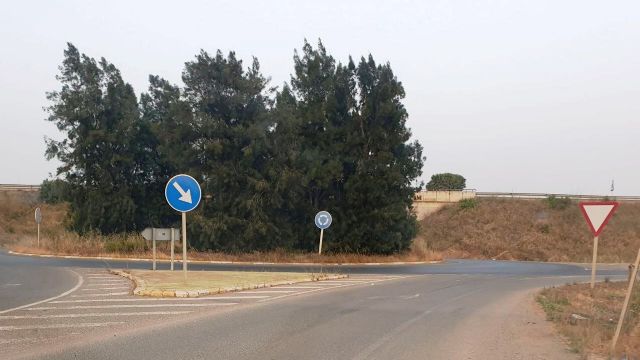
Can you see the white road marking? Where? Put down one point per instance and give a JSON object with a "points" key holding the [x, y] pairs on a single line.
{"points": [[159, 299], [111, 284], [268, 292], [300, 287], [127, 306], [348, 281], [65, 316], [107, 288], [303, 292], [59, 326], [78, 284], [106, 294], [16, 341]]}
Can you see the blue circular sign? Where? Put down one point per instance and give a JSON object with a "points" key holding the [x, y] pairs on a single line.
{"points": [[323, 220], [183, 193]]}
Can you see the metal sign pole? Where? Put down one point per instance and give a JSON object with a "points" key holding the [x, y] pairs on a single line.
{"points": [[626, 303], [173, 245], [38, 234], [184, 245], [320, 247], [153, 239], [593, 263]]}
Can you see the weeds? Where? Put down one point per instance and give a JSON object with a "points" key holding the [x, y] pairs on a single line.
{"points": [[557, 203], [466, 204]]}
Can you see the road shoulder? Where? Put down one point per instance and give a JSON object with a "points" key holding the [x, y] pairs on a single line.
{"points": [[514, 328]]}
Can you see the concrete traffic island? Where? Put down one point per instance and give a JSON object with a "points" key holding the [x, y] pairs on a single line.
{"points": [[203, 283]]}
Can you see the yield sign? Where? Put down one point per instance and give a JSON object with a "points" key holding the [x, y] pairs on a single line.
{"points": [[598, 214]]}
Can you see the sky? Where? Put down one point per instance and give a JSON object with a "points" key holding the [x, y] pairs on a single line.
{"points": [[517, 96]]}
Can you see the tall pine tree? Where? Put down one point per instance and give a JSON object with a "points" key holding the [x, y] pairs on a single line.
{"points": [[103, 152]]}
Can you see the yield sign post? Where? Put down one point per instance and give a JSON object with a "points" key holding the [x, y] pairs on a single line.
{"points": [[597, 214]]}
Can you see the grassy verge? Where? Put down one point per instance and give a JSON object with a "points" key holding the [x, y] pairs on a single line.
{"points": [[172, 283], [587, 318]]}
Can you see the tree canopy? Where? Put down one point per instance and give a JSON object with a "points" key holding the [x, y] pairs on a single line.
{"points": [[332, 138], [446, 181]]}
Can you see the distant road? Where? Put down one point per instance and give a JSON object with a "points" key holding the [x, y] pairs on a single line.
{"points": [[449, 267]]}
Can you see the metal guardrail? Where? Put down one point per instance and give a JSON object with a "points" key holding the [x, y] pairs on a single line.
{"points": [[19, 187], [544, 196], [454, 195]]}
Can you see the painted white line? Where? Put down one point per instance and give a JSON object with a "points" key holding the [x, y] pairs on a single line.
{"points": [[348, 281], [17, 341], [127, 306], [317, 284], [78, 284], [366, 279], [110, 284], [65, 316], [101, 276], [107, 288], [268, 292], [159, 299], [302, 292], [106, 294], [60, 326], [299, 287]]}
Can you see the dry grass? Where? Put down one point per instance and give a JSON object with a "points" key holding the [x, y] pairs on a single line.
{"points": [[601, 307], [18, 233], [529, 230]]}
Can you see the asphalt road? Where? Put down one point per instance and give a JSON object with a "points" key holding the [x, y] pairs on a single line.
{"points": [[453, 310], [24, 283]]}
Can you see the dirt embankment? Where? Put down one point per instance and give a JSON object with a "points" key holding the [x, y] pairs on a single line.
{"points": [[538, 230]]}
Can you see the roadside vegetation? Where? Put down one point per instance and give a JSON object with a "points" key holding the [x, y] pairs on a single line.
{"points": [[268, 156], [18, 233], [551, 229], [588, 318]]}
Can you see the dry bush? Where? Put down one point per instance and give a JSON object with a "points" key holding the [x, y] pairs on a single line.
{"points": [[530, 230], [601, 306]]}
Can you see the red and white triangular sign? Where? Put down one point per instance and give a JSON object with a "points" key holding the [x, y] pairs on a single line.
{"points": [[598, 214]]}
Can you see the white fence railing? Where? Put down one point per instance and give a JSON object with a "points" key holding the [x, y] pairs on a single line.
{"points": [[543, 196], [19, 187]]}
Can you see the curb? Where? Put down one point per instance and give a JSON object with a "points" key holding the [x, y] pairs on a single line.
{"points": [[225, 262], [141, 291]]}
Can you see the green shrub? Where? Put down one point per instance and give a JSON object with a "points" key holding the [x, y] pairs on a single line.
{"points": [[467, 204], [54, 191], [446, 181], [125, 245], [558, 203]]}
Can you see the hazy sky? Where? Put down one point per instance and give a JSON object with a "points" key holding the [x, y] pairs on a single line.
{"points": [[539, 96]]}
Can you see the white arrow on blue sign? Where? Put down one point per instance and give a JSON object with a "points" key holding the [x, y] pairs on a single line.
{"points": [[323, 220], [183, 193]]}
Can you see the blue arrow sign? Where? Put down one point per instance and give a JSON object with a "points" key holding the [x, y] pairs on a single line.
{"points": [[323, 220], [183, 193]]}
